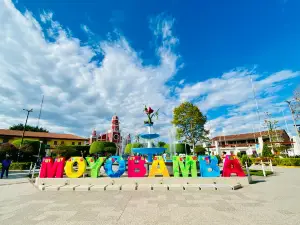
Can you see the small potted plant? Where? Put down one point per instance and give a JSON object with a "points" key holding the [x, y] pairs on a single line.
{"points": [[150, 113]]}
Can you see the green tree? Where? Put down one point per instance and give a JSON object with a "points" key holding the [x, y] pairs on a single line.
{"points": [[245, 159], [8, 149], [190, 123], [28, 128], [266, 152], [199, 150], [65, 151], [161, 144], [29, 146]]}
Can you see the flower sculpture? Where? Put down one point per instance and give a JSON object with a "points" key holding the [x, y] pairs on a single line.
{"points": [[150, 113]]}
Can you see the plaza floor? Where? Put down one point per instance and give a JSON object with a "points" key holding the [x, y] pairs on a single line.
{"points": [[274, 200]]}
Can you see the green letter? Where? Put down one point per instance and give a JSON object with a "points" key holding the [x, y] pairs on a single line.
{"points": [[95, 166], [190, 164]]}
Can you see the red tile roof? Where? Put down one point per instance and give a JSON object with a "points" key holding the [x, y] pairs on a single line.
{"points": [[247, 136], [18, 133]]}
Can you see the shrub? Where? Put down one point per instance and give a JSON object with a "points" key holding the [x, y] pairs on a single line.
{"points": [[97, 146], [266, 152], [19, 166], [110, 150], [103, 148], [84, 149], [129, 147], [167, 146], [199, 150], [239, 155], [245, 159]]}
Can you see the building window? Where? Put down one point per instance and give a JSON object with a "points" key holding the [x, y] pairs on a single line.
{"points": [[73, 143], [5, 140], [79, 143], [55, 142], [62, 142]]}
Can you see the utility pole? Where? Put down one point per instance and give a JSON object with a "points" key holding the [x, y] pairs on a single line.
{"points": [[293, 117], [40, 111], [256, 103], [28, 111]]}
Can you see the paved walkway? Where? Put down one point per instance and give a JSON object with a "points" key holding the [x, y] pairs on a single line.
{"points": [[274, 201]]}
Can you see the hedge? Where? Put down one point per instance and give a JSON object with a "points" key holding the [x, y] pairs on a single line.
{"points": [[180, 148], [278, 161], [286, 161], [19, 166]]}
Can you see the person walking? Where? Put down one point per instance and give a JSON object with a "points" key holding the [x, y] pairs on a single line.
{"points": [[5, 166]]}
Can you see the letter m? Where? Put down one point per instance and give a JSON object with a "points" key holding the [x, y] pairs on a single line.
{"points": [[185, 168], [50, 169]]}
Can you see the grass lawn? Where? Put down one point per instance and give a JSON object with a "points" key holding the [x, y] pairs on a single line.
{"points": [[259, 172]]}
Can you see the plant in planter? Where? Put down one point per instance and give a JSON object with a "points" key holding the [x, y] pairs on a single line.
{"points": [[150, 113]]}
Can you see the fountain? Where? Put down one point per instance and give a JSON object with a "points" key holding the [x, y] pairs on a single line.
{"points": [[172, 141], [149, 151]]}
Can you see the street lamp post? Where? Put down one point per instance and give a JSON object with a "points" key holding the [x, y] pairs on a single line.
{"points": [[28, 111]]}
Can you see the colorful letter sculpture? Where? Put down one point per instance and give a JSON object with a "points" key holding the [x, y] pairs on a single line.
{"points": [[50, 169], [81, 164], [208, 166], [136, 166], [190, 164], [95, 165], [109, 163], [232, 165], [162, 170]]}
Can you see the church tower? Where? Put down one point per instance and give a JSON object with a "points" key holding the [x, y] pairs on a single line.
{"points": [[93, 137], [115, 124]]}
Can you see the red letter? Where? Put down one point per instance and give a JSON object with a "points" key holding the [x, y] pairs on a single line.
{"points": [[50, 169], [232, 165], [136, 166]]}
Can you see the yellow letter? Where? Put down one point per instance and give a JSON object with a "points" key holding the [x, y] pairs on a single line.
{"points": [[81, 164], [162, 170]]}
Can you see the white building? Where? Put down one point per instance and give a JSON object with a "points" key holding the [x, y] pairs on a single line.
{"points": [[248, 143]]}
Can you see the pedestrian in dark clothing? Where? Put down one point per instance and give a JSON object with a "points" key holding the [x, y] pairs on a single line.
{"points": [[5, 166]]}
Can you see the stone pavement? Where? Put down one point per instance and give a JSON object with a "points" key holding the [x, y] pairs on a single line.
{"points": [[273, 201]]}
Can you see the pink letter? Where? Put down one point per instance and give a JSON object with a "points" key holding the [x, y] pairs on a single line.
{"points": [[50, 169], [136, 166], [232, 165]]}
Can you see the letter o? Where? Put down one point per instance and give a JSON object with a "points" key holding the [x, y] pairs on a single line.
{"points": [[109, 163], [69, 170]]}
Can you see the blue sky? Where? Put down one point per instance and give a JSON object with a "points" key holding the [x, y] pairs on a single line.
{"points": [[124, 54]]}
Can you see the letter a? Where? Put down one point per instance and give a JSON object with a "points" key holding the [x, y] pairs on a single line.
{"points": [[232, 165], [162, 170]]}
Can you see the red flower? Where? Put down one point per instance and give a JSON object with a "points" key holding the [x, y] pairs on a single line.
{"points": [[149, 110]]}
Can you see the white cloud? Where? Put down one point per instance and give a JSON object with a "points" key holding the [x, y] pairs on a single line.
{"points": [[39, 58], [79, 94]]}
